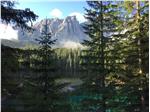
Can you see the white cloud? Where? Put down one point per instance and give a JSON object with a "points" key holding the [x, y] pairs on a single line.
{"points": [[79, 16], [7, 32], [56, 13]]}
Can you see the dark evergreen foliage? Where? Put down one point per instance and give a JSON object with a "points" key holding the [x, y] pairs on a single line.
{"points": [[17, 17], [135, 50], [97, 58]]}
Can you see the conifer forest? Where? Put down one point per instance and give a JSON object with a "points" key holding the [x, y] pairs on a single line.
{"points": [[110, 73]]}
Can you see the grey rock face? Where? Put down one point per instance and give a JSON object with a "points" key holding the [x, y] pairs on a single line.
{"points": [[64, 30]]}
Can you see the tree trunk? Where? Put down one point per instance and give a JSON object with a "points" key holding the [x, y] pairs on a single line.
{"points": [[142, 98], [103, 59]]}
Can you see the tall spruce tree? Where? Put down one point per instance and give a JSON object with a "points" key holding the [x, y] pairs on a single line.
{"points": [[132, 64], [46, 80], [136, 56], [97, 59], [46, 55], [54, 100]]}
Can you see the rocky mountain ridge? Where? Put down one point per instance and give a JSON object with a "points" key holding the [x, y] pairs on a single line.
{"points": [[68, 32]]}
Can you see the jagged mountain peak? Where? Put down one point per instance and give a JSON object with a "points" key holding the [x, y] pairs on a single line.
{"points": [[71, 18], [64, 30]]}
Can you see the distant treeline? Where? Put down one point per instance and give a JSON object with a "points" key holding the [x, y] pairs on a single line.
{"points": [[67, 61]]}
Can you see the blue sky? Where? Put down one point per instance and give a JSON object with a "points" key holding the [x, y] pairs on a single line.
{"points": [[52, 9]]}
